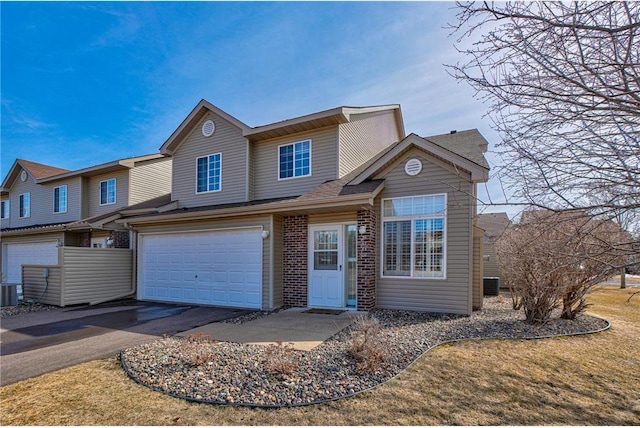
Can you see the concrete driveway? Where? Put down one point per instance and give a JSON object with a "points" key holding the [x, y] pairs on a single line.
{"points": [[36, 343]]}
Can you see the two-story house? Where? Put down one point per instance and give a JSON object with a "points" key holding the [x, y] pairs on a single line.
{"points": [[336, 209], [44, 207]]}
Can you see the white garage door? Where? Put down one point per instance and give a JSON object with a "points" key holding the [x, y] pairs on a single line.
{"points": [[42, 253], [222, 267]]}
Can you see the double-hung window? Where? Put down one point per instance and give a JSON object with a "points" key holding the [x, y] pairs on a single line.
{"points": [[209, 173], [294, 160], [4, 209], [25, 205], [414, 236], [60, 199], [108, 192]]}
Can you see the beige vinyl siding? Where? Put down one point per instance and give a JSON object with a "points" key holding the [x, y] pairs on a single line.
{"points": [[41, 196], [451, 295], [478, 286], [324, 152], [37, 287], [93, 274], [237, 222], [228, 140], [149, 180], [345, 217], [277, 238], [365, 136], [122, 192], [490, 261]]}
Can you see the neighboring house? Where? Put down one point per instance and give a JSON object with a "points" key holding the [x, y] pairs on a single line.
{"points": [[45, 208], [494, 225], [336, 209]]}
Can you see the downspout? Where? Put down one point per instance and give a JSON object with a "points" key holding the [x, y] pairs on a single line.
{"points": [[133, 235]]}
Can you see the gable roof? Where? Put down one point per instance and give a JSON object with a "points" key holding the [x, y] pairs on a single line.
{"points": [[308, 122], [36, 170], [465, 153]]}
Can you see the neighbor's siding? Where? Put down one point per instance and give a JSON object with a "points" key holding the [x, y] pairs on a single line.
{"points": [[324, 158], [228, 140], [438, 295], [233, 222], [478, 284], [149, 180], [365, 136], [34, 285], [92, 274], [490, 260], [122, 192]]}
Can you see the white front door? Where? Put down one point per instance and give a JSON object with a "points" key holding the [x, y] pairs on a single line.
{"points": [[326, 278]]}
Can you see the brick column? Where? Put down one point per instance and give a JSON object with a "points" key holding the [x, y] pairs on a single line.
{"points": [[367, 260], [84, 239], [295, 260], [120, 238]]}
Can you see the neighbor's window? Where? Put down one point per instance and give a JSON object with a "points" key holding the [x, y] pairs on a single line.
{"points": [[25, 205], [4, 209], [60, 199], [209, 173], [108, 192], [294, 160], [414, 236]]}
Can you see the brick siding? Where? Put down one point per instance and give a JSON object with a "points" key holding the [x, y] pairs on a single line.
{"points": [[120, 238], [295, 260], [367, 260]]}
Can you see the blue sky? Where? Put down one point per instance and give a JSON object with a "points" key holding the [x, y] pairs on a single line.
{"points": [[87, 83]]}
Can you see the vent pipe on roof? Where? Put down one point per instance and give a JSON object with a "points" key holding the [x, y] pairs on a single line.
{"points": [[453, 132]]}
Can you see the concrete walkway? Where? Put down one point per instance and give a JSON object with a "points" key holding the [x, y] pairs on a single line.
{"points": [[295, 326]]}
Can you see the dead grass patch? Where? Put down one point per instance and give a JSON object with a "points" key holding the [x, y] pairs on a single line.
{"points": [[585, 380]]}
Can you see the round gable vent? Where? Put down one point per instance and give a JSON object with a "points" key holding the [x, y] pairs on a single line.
{"points": [[208, 128], [413, 167], [23, 176]]}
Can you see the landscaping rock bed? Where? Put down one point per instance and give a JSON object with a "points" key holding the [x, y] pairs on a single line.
{"points": [[254, 375], [25, 308]]}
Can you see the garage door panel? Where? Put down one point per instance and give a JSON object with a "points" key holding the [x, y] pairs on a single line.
{"points": [[41, 253], [217, 267]]}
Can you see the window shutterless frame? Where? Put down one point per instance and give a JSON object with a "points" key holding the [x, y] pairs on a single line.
{"points": [[25, 205], [206, 162], [108, 192], [296, 159], [413, 218], [5, 209], [60, 199]]}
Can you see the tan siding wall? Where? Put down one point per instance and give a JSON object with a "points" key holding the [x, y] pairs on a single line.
{"points": [[42, 202], [491, 269], [346, 217], [92, 274], [228, 140], [324, 157], [478, 291], [149, 180], [34, 284], [122, 192], [365, 136], [277, 248], [451, 294], [263, 221]]}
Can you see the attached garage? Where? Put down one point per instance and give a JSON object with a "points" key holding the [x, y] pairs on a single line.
{"points": [[212, 267], [40, 253]]}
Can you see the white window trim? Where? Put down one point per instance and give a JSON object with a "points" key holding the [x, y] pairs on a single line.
{"points": [[7, 209], [66, 199], [294, 159], [207, 157], [115, 192], [29, 207], [411, 276]]}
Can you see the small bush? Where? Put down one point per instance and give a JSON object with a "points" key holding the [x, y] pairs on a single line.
{"points": [[366, 347], [280, 360], [194, 350]]}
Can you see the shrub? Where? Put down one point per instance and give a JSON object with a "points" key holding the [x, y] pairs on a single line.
{"points": [[194, 349], [366, 347], [280, 360]]}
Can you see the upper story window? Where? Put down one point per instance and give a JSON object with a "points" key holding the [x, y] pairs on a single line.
{"points": [[4, 209], [108, 192], [209, 173], [25, 205], [414, 230], [294, 160], [60, 199]]}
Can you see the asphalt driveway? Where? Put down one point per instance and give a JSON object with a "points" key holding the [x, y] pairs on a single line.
{"points": [[36, 343]]}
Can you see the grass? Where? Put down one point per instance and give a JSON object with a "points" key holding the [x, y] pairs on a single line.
{"points": [[584, 380]]}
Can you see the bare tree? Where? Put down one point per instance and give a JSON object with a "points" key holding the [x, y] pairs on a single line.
{"points": [[552, 259], [562, 85]]}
